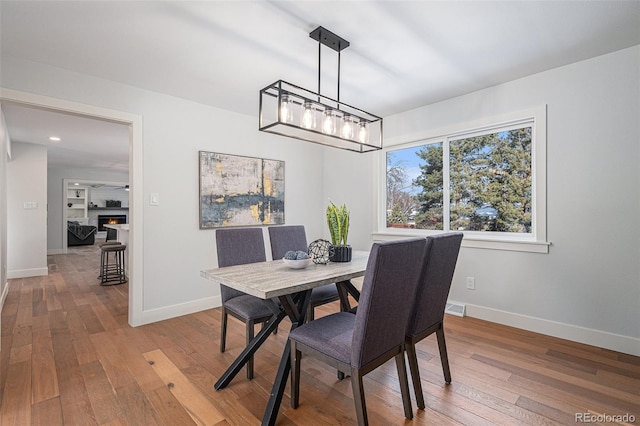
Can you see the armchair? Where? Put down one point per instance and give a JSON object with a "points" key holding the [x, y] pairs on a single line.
{"points": [[80, 235]]}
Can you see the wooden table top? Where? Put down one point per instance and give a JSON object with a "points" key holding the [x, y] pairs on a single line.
{"points": [[272, 279]]}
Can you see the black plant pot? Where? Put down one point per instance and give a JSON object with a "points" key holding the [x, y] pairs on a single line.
{"points": [[341, 254]]}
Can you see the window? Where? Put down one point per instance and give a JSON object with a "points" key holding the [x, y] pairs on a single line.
{"points": [[487, 182]]}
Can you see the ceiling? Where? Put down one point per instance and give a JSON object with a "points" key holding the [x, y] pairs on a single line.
{"points": [[403, 54], [85, 143]]}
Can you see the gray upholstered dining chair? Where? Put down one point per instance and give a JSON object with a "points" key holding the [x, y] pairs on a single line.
{"points": [[239, 246], [293, 237], [431, 299], [358, 344]]}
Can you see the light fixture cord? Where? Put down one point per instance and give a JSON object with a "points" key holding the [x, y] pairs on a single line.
{"points": [[319, 65], [338, 76]]}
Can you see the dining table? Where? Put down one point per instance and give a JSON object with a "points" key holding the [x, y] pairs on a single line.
{"points": [[292, 289]]}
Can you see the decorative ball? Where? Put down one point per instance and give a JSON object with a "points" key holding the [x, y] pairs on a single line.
{"points": [[321, 250], [290, 255], [301, 255]]}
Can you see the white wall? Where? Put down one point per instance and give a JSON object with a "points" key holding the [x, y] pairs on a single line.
{"points": [[347, 177], [174, 130], [588, 287], [27, 226], [55, 189], [99, 196]]}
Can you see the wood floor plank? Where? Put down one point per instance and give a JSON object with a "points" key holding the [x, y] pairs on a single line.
{"points": [[16, 401], [102, 396], [20, 354], [51, 296], [111, 359], [22, 335], [142, 372], [544, 410], [560, 399], [235, 411], [47, 413], [90, 319], [136, 406], [40, 323], [74, 400], [169, 409], [45, 379], [200, 410], [520, 415], [620, 400], [141, 337], [595, 365], [58, 320], [103, 314], [66, 300]]}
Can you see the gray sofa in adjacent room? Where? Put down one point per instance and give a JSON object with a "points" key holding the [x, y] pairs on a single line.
{"points": [[80, 235]]}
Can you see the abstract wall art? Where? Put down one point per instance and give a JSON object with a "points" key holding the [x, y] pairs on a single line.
{"points": [[240, 191]]}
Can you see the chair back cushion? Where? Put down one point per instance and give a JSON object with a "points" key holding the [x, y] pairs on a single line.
{"points": [[238, 246], [285, 238], [435, 283], [388, 290]]}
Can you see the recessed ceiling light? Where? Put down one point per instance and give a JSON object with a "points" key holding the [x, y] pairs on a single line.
{"points": [[76, 184], [54, 138]]}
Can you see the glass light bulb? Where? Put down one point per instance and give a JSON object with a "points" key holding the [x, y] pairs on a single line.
{"points": [[363, 133], [347, 127], [286, 112], [308, 116], [329, 123]]}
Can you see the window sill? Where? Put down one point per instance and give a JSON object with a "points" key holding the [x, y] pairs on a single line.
{"points": [[474, 242]]}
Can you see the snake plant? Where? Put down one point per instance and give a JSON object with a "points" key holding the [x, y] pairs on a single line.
{"points": [[338, 221]]}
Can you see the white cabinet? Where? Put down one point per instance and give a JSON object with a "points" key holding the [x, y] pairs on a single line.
{"points": [[77, 201]]}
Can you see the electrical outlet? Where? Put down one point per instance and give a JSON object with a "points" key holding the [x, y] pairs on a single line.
{"points": [[471, 283]]}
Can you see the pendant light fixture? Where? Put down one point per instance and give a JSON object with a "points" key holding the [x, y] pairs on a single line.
{"points": [[290, 110]]}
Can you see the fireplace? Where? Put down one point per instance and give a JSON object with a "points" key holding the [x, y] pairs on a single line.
{"points": [[110, 219]]}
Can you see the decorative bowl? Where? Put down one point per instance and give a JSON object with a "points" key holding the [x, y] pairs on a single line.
{"points": [[297, 264]]}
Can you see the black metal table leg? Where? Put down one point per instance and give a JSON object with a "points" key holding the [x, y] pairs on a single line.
{"points": [[280, 382], [352, 290], [343, 293], [248, 352]]}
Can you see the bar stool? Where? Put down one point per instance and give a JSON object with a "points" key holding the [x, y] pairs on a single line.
{"points": [[101, 260], [112, 272]]}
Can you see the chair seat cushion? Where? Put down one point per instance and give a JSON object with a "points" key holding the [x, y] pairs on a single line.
{"points": [[331, 335], [251, 307], [325, 293]]}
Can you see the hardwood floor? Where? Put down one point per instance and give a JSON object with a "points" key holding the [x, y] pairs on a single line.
{"points": [[69, 357]]}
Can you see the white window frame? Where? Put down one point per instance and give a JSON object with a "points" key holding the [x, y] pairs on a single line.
{"points": [[536, 241]]}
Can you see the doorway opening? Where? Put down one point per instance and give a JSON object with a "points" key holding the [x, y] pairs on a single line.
{"points": [[134, 124]]}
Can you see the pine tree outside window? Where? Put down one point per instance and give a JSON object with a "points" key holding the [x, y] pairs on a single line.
{"points": [[481, 182]]}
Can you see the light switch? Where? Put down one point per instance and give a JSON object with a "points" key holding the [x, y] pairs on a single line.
{"points": [[30, 205], [154, 199]]}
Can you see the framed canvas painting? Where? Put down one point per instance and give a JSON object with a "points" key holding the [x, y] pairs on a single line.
{"points": [[240, 191]]}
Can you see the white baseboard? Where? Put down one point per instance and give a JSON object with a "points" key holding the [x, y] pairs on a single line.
{"points": [[601, 339], [26, 273], [56, 251], [167, 312], [3, 296], [615, 342]]}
